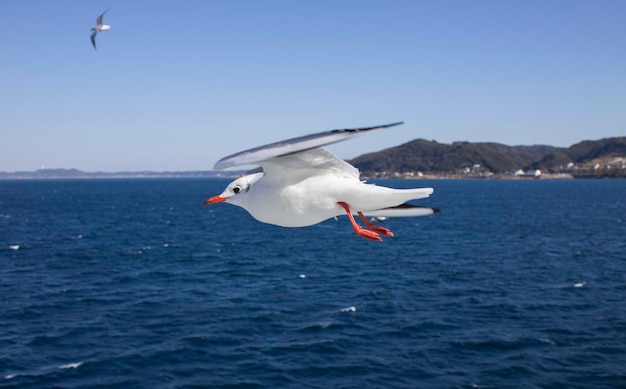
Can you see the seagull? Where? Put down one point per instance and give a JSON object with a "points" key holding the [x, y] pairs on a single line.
{"points": [[302, 184], [99, 27]]}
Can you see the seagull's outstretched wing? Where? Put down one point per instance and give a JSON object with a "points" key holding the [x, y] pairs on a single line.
{"points": [[290, 146], [99, 20], [93, 38]]}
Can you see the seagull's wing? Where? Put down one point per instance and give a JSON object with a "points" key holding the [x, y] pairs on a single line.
{"points": [[99, 20], [263, 153], [403, 210], [297, 166], [93, 38]]}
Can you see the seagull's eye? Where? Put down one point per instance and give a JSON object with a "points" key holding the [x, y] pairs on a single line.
{"points": [[236, 189]]}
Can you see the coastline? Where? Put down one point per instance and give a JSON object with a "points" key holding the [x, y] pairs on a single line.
{"points": [[71, 174]]}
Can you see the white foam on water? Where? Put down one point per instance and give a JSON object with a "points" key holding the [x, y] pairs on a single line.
{"points": [[349, 309], [71, 365], [144, 249], [547, 341], [10, 376], [579, 284]]}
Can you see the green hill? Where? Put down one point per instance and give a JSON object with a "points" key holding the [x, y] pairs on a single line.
{"points": [[584, 152], [431, 157]]}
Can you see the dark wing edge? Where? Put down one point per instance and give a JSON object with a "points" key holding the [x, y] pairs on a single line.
{"points": [[99, 20], [293, 145]]}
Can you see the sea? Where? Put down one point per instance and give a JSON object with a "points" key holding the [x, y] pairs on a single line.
{"points": [[132, 283]]}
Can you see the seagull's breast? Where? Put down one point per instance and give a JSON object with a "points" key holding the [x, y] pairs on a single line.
{"points": [[301, 204]]}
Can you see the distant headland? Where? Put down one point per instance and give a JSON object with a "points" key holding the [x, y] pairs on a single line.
{"points": [[429, 159]]}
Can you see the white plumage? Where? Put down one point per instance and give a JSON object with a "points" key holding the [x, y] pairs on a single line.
{"points": [[303, 184]]}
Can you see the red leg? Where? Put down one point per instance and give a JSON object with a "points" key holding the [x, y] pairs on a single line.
{"points": [[370, 226], [360, 231]]}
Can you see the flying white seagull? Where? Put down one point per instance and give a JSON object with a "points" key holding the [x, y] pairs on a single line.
{"points": [[304, 184], [99, 27]]}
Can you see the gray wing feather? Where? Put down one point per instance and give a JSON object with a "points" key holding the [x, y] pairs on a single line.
{"points": [[99, 20], [293, 145], [304, 164]]}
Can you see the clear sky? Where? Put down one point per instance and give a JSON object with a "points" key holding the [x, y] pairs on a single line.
{"points": [[176, 85]]}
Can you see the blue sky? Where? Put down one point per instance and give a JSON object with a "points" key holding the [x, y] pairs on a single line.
{"points": [[176, 85]]}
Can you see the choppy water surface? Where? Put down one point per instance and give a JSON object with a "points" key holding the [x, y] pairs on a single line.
{"points": [[131, 283]]}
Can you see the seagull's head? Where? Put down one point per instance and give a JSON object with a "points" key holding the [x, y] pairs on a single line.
{"points": [[236, 192]]}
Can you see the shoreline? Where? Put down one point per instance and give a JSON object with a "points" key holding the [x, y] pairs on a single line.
{"points": [[210, 175]]}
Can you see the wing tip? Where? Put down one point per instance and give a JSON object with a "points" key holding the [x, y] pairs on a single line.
{"points": [[220, 165], [360, 129]]}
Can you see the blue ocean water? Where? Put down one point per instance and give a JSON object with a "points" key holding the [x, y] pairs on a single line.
{"points": [[131, 283]]}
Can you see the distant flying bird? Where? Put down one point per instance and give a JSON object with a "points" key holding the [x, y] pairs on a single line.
{"points": [[303, 184], [99, 27]]}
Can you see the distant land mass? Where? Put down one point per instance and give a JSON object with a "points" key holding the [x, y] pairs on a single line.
{"points": [[78, 174], [604, 158], [599, 158]]}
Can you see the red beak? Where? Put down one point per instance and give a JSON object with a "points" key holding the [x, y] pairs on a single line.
{"points": [[214, 199]]}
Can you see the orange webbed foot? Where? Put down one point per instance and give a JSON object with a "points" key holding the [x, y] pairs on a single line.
{"points": [[381, 230], [372, 227], [368, 234]]}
